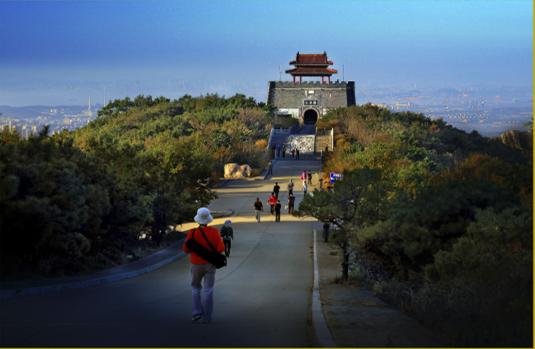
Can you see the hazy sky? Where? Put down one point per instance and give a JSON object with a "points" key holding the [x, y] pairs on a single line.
{"points": [[61, 52]]}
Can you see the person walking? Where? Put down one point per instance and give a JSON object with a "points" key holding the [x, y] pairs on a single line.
{"points": [[272, 201], [278, 211], [303, 176], [321, 182], [270, 168], [202, 272], [309, 175], [258, 208], [326, 227], [305, 187], [227, 234], [276, 189], [291, 202], [293, 153], [290, 187], [297, 154]]}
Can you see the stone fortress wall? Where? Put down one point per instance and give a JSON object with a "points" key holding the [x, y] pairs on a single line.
{"points": [[295, 98]]}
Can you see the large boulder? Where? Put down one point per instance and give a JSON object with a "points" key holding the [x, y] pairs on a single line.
{"points": [[245, 170], [233, 170], [230, 169]]}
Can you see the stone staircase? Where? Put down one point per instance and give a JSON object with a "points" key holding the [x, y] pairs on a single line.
{"points": [[278, 139], [306, 130], [304, 137], [297, 137]]}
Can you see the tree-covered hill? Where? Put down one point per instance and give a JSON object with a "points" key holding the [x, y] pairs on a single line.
{"points": [[82, 200], [436, 220]]}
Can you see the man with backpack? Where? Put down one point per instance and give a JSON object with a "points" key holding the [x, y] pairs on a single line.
{"points": [[227, 234], [203, 272]]}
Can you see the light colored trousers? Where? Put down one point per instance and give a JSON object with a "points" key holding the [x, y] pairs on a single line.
{"points": [[258, 215], [202, 289]]}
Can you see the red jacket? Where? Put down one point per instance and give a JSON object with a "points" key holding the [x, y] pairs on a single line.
{"points": [[272, 200], [212, 234]]}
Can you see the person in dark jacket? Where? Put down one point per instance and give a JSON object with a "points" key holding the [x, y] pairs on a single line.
{"points": [[278, 211], [291, 202], [258, 207], [326, 228], [276, 189], [227, 234], [290, 187]]}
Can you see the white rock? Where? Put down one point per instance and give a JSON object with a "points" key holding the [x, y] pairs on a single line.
{"points": [[233, 170]]}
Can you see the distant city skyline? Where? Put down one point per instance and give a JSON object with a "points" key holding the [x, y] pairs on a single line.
{"points": [[61, 52]]}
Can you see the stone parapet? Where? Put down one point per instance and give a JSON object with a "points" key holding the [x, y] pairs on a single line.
{"points": [[290, 84]]}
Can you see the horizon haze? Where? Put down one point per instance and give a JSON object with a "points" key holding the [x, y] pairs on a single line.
{"points": [[60, 53]]}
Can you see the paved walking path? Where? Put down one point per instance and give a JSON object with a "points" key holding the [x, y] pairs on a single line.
{"points": [[357, 318], [262, 298]]}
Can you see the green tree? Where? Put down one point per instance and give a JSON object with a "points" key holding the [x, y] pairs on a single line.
{"points": [[354, 203]]}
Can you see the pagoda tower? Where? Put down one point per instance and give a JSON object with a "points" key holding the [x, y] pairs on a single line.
{"points": [[306, 64], [308, 101]]}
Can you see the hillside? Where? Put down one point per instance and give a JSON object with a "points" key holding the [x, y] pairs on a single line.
{"points": [[434, 220], [89, 199]]}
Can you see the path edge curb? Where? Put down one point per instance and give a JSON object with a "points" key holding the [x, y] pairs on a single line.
{"points": [[321, 330], [9, 293], [6, 294]]}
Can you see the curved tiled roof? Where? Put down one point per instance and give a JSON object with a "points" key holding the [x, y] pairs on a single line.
{"points": [[311, 71], [311, 59]]}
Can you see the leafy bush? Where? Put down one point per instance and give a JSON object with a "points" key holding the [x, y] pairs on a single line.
{"points": [[80, 199], [449, 240]]}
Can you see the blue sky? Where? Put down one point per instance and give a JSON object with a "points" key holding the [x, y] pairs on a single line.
{"points": [[60, 52]]}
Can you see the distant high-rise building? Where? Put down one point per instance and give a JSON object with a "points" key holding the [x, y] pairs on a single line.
{"points": [[89, 112], [11, 128], [24, 132]]}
